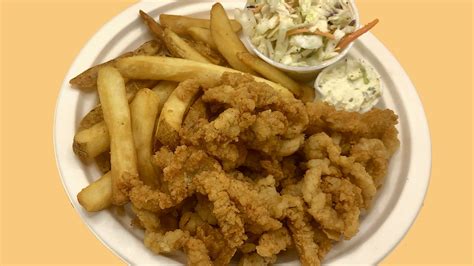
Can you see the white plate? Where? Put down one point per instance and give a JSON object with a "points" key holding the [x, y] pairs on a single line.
{"points": [[395, 208]]}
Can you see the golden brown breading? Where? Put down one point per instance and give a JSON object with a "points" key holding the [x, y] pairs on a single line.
{"points": [[302, 234], [253, 259], [219, 250], [258, 172], [196, 253], [167, 242], [273, 242], [252, 206], [320, 146], [148, 220], [374, 124], [190, 221], [333, 202], [242, 92], [148, 198], [185, 163], [373, 155], [204, 210], [215, 185]]}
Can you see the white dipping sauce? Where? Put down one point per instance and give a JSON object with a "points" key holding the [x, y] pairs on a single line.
{"points": [[351, 85]]}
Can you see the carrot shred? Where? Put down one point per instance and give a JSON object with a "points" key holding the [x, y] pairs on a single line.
{"points": [[356, 34], [307, 31]]}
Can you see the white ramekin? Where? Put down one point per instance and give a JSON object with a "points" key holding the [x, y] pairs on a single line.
{"points": [[307, 72]]}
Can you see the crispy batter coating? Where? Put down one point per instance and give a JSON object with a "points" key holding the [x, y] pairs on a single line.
{"points": [[278, 128], [333, 202], [219, 250], [271, 243], [196, 253], [215, 185], [253, 259], [320, 146], [373, 155], [255, 173], [167, 242], [302, 234]]}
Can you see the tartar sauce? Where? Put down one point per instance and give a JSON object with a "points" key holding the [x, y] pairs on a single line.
{"points": [[351, 85]]}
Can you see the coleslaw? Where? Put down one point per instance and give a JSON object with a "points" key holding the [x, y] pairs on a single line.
{"points": [[297, 32]]}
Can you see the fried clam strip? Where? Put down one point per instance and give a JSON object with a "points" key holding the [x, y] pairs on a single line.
{"points": [[170, 241], [88, 78], [219, 250], [215, 184], [196, 253], [178, 169], [253, 208], [190, 221], [374, 124], [253, 259], [173, 112], [333, 202], [178, 173], [373, 155], [246, 93], [177, 69], [302, 232], [320, 146], [204, 209], [273, 242], [218, 137], [277, 131], [148, 220]]}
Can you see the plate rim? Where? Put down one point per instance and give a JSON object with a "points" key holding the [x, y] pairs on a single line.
{"points": [[422, 162]]}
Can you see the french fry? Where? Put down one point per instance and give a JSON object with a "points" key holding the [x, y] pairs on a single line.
{"points": [[174, 109], [178, 47], [308, 94], [202, 35], [91, 142], [111, 88], [164, 89], [212, 55], [196, 111], [144, 110], [103, 162], [270, 72], [181, 24], [176, 69], [95, 115], [88, 79], [226, 40], [97, 195], [153, 26]]}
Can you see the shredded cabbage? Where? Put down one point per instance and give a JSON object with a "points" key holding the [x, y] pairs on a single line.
{"points": [[268, 22]]}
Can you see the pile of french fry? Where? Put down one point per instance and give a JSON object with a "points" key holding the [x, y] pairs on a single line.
{"points": [[141, 98]]}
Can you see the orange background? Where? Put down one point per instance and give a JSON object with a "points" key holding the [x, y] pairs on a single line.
{"points": [[39, 40]]}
